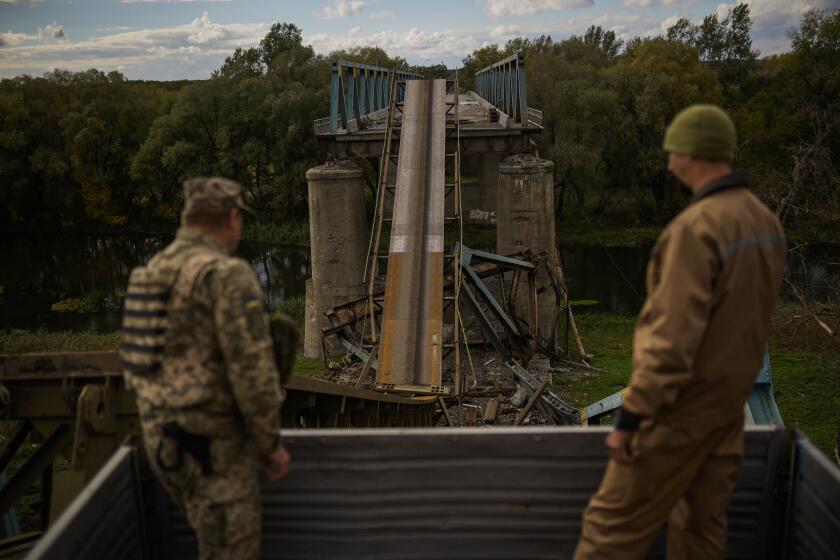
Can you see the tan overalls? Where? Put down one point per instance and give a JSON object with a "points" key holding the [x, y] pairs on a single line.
{"points": [[713, 280]]}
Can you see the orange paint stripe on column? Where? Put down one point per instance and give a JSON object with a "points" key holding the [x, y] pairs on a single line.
{"points": [[413, 308]]}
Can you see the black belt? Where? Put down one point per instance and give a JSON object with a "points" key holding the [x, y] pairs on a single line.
{"points": [[198, 447]]}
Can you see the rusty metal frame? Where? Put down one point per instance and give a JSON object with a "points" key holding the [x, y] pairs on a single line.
{"points": [[35, 466], [560, 411]]}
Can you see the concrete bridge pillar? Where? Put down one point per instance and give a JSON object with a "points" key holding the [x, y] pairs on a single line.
{"points": [[338, 235], [525, 220], [479, 198]]}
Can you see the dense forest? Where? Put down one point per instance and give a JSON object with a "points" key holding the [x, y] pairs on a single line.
{"points": [[94, 150]]}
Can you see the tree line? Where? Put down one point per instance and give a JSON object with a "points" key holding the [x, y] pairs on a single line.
{"points": [[92, 149], [607, 103]]}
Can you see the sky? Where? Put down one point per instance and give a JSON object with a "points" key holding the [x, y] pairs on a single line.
{"points": [[178, 39]]}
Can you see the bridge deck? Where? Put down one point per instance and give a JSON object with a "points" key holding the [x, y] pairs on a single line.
{"points": [[479, 132]]}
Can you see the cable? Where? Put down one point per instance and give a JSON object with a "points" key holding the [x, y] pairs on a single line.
{"points": [[606, 250]]}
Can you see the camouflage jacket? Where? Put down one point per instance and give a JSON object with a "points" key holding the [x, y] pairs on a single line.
{"points": [[196, 342]]}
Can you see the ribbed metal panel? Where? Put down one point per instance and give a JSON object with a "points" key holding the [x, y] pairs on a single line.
{"points": [[815, 513], [461, 493], [104, 522]]}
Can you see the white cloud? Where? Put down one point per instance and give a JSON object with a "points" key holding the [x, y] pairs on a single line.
{"points": [[668, 22], [421, 46], [501, 32], [381, 14], [10, 39], [772, 19], [195, 49], [24, 2], [205, 31], [51, 31], [499, 8], [192, 50], [649, 3], [168, 1], [341, 9]]}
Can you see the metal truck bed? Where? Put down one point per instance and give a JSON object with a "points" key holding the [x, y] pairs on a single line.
{"points": [[449, 493]]}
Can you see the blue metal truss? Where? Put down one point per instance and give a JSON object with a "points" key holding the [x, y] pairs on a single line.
{"points": [[503, 86], [357, 90], [760, 407]]}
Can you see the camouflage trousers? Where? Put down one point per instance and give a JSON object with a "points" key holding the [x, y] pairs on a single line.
{"points": [[224, 507]]}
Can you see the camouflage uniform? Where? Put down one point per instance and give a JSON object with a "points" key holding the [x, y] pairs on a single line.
{"points": [[197, 351]]}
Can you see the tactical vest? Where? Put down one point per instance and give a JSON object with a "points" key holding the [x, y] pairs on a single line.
{"points": [[152, 293]]}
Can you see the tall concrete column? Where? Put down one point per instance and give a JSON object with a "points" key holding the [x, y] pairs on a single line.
{"points": [[479, 198], [338, 236], [525, 220]]}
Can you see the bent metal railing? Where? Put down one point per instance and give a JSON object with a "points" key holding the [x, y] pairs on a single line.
{"points": [[357, 91], [503, 85]]}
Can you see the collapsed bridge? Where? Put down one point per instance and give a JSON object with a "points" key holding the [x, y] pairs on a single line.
{"points": [[410, 307]]}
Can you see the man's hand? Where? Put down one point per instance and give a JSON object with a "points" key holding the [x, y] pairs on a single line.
{"points": [[618, 446], [276, 465]]}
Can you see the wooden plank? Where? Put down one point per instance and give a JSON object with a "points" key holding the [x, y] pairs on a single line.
{"points": [[445, 411], [530, 404]]}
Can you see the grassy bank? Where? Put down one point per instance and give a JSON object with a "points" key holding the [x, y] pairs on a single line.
{"points": [[20, 342], [288, 233], [578, 233], [804, 362]]}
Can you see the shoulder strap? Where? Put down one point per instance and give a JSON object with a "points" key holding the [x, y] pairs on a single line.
{"points": [[190, 272]]}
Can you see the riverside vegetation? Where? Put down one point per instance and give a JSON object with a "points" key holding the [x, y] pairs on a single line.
{"points": [[93, 151], [805, 378]]}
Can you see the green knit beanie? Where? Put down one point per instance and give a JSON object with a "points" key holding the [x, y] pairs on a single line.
{"points": [[703, 131]]}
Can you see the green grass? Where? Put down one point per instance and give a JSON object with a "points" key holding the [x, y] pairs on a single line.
{"points": [[295, 309], [19, 342], [90, 303], [805, 365], [289, 233], [609, 339], [307, 367], [807, 389], [580, 233]]}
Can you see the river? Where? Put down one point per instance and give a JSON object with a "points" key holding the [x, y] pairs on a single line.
{"points": [[87, 274]]}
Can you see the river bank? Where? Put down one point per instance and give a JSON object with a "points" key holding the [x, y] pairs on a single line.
{"points": [[804, 363], [63, 293]]}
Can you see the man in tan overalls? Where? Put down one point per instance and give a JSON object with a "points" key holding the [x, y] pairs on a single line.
{"points": [[712, 282]]}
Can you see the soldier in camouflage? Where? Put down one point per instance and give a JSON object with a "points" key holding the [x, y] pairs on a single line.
{"points": [[197, 351]]}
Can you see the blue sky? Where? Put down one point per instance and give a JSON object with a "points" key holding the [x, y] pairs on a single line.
{"points": [[175, 39]]}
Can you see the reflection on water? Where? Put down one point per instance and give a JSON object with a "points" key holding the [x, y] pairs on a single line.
{"points": [[40, 271], [614, 278]]}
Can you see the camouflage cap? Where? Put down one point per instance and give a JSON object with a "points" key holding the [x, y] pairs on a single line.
{"points": [[212, 194]]}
